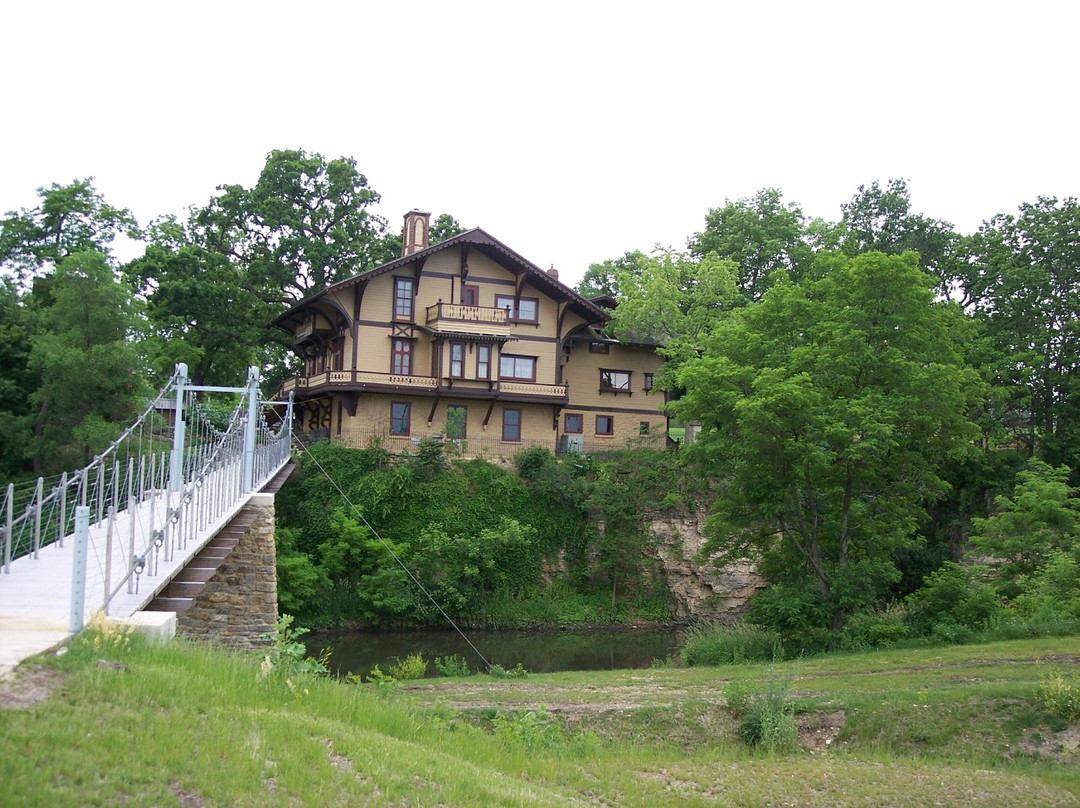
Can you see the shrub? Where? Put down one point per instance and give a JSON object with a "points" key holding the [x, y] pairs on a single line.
{"points": [[452, 666], [499, 672], [768, 722], [1059, 695], [718, 644], [286, 656], [952, 603], [875, 629], [414, 666]]}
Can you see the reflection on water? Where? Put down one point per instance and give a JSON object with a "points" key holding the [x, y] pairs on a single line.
{"points": [[538, 651]]}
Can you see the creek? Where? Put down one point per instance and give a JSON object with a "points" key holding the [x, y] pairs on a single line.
{"points": [[545, 651]]}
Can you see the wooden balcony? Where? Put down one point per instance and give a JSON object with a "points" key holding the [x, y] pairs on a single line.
{"points": [[344, 381], [468, 319]]}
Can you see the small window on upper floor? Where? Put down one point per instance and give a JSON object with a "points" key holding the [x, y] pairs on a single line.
{"points": [[615, 381], [527, 310], [403, 299]]}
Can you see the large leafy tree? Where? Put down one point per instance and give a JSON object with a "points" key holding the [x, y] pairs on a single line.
{"points": [[762, 235], [305, 224], [200, 308], [69, 218], [827, 410], [1022, 283], [85, 355], [602, 279], [881, 219]]}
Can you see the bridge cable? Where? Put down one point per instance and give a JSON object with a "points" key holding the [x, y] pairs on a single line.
{"points": [[390, 550]]}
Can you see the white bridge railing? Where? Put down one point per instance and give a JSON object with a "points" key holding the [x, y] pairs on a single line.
{"points": [[179, 469]]}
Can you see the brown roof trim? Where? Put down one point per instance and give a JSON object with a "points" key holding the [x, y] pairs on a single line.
{"points": [[485, 243]]}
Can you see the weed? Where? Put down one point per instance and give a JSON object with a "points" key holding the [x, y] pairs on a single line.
{"points": [[499, 672], [738, 694], [1059, 695], [287, 656], [768, 722], [387, 684], [414, 666], [454, 665]]}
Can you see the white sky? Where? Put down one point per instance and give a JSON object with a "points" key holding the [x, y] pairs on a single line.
{"points": [[572, 131]]}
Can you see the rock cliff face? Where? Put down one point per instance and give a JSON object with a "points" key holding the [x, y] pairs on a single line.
{"points": [[700, 589]]}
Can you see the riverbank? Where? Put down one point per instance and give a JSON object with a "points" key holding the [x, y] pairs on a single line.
{"points": [[116, 721]]}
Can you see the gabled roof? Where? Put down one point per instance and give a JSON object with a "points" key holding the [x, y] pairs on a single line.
{"points": [[484, 243]]}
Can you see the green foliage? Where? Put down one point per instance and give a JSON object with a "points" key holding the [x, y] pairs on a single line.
{"points": [[762, 236], [720, 644], [536, 730], [1040, 518], [826, 412], [414, 666], [768, 721], [453, 665], [1059, 694], [876, 628], [953, 603], [497, 671], [286, 656]]}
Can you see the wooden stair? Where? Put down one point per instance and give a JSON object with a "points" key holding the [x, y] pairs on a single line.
{"points": [[179, 594]]}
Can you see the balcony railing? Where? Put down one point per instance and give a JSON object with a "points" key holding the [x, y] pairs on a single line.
{"points": [[351, 379], [459, 313]]}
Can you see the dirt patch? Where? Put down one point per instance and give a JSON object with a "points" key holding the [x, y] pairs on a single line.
{"points": [[28, 685], [818, 730], [1063, 746], [186, 799]]}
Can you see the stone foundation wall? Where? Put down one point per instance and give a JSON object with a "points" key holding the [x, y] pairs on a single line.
{"points": [[239, 604]]}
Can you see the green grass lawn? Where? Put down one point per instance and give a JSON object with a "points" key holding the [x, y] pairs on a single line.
{"points": [[182, 724]]}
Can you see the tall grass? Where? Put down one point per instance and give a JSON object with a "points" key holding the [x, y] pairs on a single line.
{"points": [[719, 644]]}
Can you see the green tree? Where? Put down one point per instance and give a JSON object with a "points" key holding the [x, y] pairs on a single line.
{"points": [[69, 218], [827, 410], [1022, 283], [674, 301], [306, 223], [762, 235], [881, 219], [200, 309], [1041, 517], [603, 279], [17, 380], [85, 353]]}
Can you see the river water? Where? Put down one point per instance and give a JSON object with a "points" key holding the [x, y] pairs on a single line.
{"points": [[537, 651]]}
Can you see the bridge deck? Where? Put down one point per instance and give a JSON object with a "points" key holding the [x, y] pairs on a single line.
{"points": [[35, 598]]}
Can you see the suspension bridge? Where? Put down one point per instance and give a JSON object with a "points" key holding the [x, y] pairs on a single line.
{"points": [[172, 492]]}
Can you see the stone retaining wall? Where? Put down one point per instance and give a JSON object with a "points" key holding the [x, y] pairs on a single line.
{"points": [[239, 604]]}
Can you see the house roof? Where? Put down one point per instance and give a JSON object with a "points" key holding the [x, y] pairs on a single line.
{"points": [[484, 243]]}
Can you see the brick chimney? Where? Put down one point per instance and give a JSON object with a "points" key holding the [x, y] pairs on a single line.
{"points": [[554, 273], [416, 232]]}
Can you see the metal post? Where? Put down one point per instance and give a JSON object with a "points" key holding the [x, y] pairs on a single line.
{"points": [[176, 471], [251, 428], [131, 545], [62, 529], [108, 556], [39, 492], [9, 502], [78, 568]]}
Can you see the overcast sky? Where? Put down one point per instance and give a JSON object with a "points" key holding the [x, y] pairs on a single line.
{"points": [[571, 131]]}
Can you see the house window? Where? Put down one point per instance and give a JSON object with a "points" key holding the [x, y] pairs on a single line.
{"points": [[605, 425], [337, 354], [527, 309], [457, 360], [403, 299], [399, 418], [574, 422], [522, 368], [511, 424], [599, 347], [470, 295], [401, 358], [483, 361], [648, 382], [457, 418], [643, 428], [615, 381]]}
